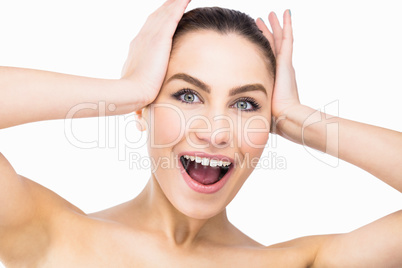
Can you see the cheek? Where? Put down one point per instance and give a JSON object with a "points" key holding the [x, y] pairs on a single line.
{"points": [[166, 125], [254, 137], [255, 134]]}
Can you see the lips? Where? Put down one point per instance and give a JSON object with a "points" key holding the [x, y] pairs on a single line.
{"points": [[205, 173]]}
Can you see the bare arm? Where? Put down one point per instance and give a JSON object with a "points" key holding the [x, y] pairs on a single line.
{"points": [[374, 149], [31, 95], [377, 244]]}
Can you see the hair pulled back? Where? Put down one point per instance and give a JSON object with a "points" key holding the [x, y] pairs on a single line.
{"points": [[225, 21]]}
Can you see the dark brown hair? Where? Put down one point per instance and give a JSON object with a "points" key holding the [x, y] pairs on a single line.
{"points": [[225, 21]]}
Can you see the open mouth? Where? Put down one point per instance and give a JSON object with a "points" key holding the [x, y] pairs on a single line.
{"points": [[205, 170]]}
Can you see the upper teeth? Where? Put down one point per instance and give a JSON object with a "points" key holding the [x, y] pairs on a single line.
{"points": [[207, 162]]}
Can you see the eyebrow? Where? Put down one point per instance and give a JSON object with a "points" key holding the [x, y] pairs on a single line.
{"points": [[192, 80], [234, 91]]}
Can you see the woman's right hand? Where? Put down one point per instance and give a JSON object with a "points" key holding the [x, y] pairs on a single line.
{"points": [[149, 52]]}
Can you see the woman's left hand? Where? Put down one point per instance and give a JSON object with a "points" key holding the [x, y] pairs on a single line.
{"points": [[374, 149], [285, 94]]}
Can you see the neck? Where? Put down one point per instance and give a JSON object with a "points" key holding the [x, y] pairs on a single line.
{"points": [[164, 219]]}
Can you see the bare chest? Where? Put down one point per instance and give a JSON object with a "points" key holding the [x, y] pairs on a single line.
{"points": [[128, 249]]}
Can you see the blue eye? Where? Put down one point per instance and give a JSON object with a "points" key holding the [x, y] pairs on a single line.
{"points": [[190, 96], [187, 95], [243, 105], [246, 104]]}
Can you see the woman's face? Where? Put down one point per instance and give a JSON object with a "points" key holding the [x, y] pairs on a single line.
{"points": [[214, 107]]}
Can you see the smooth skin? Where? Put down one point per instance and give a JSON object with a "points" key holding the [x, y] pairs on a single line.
{"points": [[40, 229]]}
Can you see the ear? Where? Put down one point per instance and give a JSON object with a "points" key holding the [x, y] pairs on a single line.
{"points": [[140, 121]]}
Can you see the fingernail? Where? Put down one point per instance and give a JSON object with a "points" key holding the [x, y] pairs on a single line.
{"points": [[290, 13], [261, 19]]}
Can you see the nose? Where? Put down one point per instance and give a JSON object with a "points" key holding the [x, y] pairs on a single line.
{"points": [[215, 131]]}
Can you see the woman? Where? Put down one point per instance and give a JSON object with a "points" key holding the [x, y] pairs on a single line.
{"points": [[179, 218]]}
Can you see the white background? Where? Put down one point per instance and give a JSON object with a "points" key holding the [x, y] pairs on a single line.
{"points": [[347, 52]]}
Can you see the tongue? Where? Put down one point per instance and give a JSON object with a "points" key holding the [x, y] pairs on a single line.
{"points": [[203, 174]]}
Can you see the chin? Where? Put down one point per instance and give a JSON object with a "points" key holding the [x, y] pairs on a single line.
{"points": [[191, 203], [198, 210]]}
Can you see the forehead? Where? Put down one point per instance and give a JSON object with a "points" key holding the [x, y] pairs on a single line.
{"points": [[219, 59]]}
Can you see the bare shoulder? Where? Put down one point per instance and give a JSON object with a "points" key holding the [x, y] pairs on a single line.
{"points": [[48, 201], [377, 244], [25, 198], [299, 252], [34, 234]]}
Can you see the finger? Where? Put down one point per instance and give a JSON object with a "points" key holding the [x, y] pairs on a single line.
{"points": [[173, 9], [277, 31], [267, 33], [176, 3], [287, 37], [168, 16], [176, 10], [163, 21]]}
